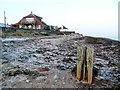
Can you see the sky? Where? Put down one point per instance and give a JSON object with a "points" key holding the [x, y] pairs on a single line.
{"points": [[88, 17]]}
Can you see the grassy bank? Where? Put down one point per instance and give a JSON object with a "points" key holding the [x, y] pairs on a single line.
{"points": [[23, 34]]}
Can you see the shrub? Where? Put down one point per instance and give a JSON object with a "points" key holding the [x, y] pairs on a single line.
{"points": [[17, 33]]}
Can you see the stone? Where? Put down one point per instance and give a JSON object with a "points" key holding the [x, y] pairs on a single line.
{"points": [[42, 69]]}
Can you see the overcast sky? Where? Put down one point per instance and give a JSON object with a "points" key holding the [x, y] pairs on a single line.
{"points": [[89, 17]]}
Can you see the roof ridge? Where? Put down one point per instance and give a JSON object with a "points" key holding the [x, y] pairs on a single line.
{"points": [[31, 14]]}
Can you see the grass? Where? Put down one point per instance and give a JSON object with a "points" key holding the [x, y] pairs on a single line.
{"points": [[5, 34], [17, 34]]}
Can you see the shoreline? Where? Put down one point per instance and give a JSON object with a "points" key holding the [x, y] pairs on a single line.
{"points": [[22, 58]]}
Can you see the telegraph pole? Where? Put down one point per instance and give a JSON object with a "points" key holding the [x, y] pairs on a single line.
{"points": [[118, 32], [5, 19]]}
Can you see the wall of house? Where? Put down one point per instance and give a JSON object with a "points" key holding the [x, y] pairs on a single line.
{"points": [[29, 23], [20, 26], [30, 19], [39, 27]]}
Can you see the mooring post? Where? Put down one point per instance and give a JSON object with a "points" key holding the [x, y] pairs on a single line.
{"points": [[85, 56], [84, 62], [90, 57], [79, 62]]}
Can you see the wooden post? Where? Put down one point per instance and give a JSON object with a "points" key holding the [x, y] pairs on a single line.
{"points": [[85, 56], [84, 62], [90, 57], [79, 62]]}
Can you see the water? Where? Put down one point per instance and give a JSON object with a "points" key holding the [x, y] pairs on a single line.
{"points": [[109, 33]]}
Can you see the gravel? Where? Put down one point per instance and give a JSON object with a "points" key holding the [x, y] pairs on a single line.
{"points": [[48, 61]]}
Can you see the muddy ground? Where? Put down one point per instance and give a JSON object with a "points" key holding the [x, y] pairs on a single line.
{"points": [[48, 62]]}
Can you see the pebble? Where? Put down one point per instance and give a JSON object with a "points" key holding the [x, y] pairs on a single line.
{"points": [[27, 81], [56, 76]]}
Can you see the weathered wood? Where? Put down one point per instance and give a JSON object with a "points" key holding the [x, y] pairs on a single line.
{"points": [[79, 62], [85, 56], [84, 62], [0, 43], [90, 57]]}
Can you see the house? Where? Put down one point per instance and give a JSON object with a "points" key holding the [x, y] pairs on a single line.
{"points": [[31, 21]]}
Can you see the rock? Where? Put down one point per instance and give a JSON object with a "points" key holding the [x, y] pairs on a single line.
{"points": [[38, 51], [95, 72], [73, 71], [27, 72], [99, 64], [67, 60], [14, 72], [56, 76], [42, 69], [27, 81], [41, 77], [4, 61], [61, 67], [119, 78], [34, 73]]}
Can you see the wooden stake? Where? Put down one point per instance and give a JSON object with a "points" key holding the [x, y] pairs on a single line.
{"points": [[85, 56], [90, 55], [79, 62], [84, 62]]}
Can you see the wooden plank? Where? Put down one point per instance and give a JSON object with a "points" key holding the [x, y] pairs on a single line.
{"points": [[90, 57], [79, 62]]}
